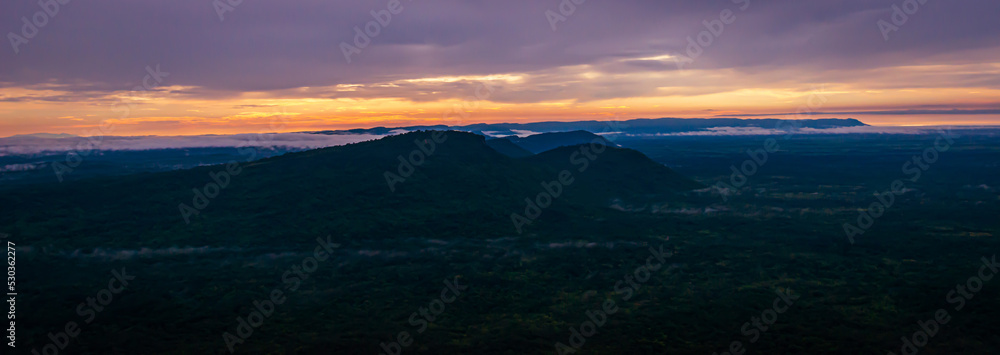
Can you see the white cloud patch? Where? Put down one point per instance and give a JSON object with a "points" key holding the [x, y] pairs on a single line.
{"points": [[19, 167], [34, 145], [523, 133], [759, 131]]}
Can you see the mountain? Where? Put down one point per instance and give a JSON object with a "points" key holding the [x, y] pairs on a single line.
{"points": [[547, 141], [615, 172], [635, 126], [506, 147], [430, 184]]}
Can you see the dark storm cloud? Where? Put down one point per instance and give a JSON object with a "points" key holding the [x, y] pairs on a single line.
{"points": [[282, 45]]}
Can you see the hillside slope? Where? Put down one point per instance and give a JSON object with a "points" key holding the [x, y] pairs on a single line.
{"points": [[615, 172], [456, 185], [506, 147]]}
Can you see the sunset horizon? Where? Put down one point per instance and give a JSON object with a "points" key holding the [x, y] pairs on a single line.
{"points": [[361, 66], [500, 177], [112, 130]]}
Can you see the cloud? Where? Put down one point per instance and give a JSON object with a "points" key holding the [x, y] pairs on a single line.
{"points": [[607, 59], [275, 45], [885, 112], [758, 131], [22, 145], [19, 167]]}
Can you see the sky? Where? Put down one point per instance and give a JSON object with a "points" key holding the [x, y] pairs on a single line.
{"points": [[185, 67]]}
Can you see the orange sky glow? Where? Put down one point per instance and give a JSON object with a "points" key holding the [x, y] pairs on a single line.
{"points": [[596, 95]]}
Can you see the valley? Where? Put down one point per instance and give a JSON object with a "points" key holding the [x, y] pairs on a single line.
{"points": [[781, 231]]}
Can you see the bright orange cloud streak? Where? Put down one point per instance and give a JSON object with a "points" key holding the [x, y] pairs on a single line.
{"points": [[688, 94]]}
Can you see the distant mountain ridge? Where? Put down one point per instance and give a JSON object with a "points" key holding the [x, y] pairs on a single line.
{"points": [[634, 126]]}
